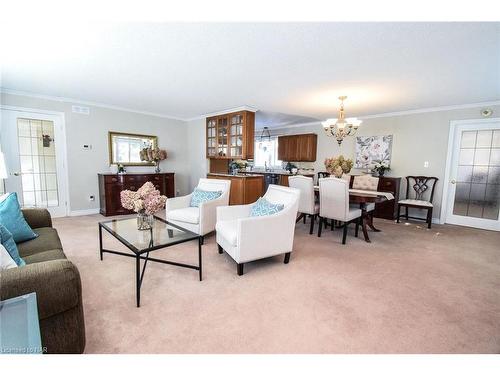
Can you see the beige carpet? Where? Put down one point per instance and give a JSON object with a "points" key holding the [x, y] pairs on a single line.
{"points": [[411, 290]]}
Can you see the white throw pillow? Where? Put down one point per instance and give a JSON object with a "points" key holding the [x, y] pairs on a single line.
{"points": [[6, 261]]}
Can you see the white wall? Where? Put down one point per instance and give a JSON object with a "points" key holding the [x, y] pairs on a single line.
{"points": [[417, 138], [83, 166], [198, 163]]}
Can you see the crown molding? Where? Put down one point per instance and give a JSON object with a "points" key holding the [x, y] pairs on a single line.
{"points": [[85, 102], [242, 108], [224, 111], [400, 113], [431, 109]]}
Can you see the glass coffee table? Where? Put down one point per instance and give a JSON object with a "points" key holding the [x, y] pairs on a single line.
{"points": [[142, 242]]}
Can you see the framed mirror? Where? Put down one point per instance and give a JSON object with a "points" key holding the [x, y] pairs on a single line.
{"points": [[124, 148]]}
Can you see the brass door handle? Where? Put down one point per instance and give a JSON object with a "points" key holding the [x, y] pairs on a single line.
{"points": [[16, 173]]}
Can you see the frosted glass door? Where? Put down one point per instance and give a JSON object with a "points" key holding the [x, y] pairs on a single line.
{"points": [[34, 159], [475, 193]]}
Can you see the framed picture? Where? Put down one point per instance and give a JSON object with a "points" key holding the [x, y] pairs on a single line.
{"points": [[373, 149]]}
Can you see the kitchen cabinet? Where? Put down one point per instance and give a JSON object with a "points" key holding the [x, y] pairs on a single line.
{"points": [[297, 147], [245, 189], [230, 136]]}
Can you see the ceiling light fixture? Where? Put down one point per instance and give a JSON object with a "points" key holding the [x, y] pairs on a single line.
{"points": [[265, 134], [341, 127]]}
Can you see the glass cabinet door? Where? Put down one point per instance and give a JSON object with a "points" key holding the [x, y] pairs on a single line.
{"points": [[211, 137], [222, 136], [236, 135]]}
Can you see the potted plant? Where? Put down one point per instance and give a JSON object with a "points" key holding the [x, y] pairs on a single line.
{"points": [[146, 201], [338, 166], [237, 165], [380, 167]]}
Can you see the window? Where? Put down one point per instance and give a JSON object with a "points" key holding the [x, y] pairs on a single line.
{"points": [[266, 153]]}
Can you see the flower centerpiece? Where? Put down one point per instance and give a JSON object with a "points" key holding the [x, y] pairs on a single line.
{"points": [[146, 201], [381, 167], [154, 155], [338, 166]]}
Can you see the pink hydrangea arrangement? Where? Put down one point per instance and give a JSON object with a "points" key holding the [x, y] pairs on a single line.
{"points": [[338, 166], [146, 199]]}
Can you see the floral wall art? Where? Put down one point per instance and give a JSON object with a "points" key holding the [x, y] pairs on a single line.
{"points": [[372, 150]]}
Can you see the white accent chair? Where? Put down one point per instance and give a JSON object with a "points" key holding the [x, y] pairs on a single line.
{"points": [[247, 238], [307, 206], [334, 204], [200, 219]]}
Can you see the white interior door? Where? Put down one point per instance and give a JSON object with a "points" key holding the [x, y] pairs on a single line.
{"points": [[474, 175], [34, 149]]}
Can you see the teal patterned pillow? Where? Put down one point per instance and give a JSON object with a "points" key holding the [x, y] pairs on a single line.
{"points": [[263, 208], [199, 196]]}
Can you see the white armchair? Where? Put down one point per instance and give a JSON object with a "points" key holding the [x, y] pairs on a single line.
{"points": [[200, 219], [246, 238], [307, 206]]}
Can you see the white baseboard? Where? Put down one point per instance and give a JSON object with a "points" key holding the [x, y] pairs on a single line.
{"points": [[91, 211]]}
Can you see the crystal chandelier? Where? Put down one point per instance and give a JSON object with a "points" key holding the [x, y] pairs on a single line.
{"points": [[341, 127]]}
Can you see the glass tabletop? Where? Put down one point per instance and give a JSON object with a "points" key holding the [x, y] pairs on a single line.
{"points": [[19, 327], [162, 234]]}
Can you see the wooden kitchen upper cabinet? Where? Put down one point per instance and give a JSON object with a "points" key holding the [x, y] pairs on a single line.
{"points": [[299, 147], [231, 136]]}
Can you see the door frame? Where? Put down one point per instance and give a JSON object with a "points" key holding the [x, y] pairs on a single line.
{"points": [[60, 119], [454, 124]]}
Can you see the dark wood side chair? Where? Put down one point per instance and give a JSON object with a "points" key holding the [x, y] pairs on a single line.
{"points": [[419, 196], [323, 175]]}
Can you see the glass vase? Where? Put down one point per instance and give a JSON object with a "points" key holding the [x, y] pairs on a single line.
{"points": [[144, 221]]}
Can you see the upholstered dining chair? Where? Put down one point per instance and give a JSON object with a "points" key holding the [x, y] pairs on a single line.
{"points": [[334, 204], [201, 219], [246, 238], [419, 194], [307, 206], [366, 182]]}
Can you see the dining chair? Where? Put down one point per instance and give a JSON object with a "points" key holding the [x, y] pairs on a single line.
{"points": [[419, 196], [307, 206], [322, 175], [366, 182], [334, 204]]}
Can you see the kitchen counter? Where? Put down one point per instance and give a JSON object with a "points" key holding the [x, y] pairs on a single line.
{"points": [[245, 188], [281, 173], [246, 175]]}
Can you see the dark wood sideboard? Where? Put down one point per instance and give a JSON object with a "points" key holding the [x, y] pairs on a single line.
{"points": [[388, 209], [110, 186]]}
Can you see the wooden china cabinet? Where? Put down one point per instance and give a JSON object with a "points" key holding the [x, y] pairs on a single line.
{"points": [[231, 136]]}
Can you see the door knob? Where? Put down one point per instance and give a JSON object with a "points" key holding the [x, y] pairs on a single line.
{"points": [[453, 181], [16, 173]]}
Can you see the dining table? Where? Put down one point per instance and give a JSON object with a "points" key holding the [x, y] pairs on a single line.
{"points": [[363, 198]]}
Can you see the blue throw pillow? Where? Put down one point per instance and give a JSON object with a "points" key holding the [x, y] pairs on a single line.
{"points": [[7, 241], [263, 208], [12, 218], [199, 196]]}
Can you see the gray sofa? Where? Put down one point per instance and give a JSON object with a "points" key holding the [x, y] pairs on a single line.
{"points": [[56, 282]]}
